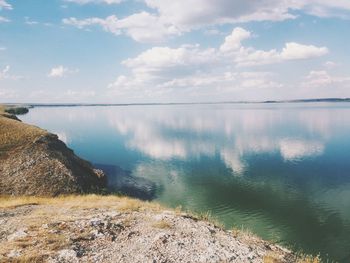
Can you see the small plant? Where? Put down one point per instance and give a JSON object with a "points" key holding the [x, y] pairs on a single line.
{"points": [[308, 259], [162, 224]]}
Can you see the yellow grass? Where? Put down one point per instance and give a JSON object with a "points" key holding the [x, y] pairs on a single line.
{"points": [[309, 259], [162, 224], [2, 109], [121, 203], [274, 258], [14, 133]]}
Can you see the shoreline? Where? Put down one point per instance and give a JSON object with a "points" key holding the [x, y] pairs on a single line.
{"points": [[314, 100], [163, 229]]}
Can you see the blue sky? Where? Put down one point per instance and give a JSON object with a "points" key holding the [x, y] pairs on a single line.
{"points": [[124, 51]]}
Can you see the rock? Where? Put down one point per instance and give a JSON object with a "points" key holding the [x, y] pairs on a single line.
{"points": [[91, 234], [95, 222], [67, 255], [17, 235], [46, 167], [14, 253]]}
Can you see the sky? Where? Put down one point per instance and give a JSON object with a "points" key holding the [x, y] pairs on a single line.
{"points": [[141, 51]]}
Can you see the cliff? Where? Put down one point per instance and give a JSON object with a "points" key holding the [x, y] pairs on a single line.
{"points": [[35, 162]]}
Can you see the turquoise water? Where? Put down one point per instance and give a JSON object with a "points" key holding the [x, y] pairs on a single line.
{"points": [[279, 170]]}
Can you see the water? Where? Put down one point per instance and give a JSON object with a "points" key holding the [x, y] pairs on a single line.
{"points": [[280, 170]]}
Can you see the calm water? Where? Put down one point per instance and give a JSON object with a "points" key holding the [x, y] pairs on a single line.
{"points": [[280, 170]]}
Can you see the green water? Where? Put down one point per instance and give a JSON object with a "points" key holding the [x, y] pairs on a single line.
{"points": [[279, 170]]}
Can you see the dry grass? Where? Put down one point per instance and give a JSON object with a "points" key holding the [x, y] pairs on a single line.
{"points": [[30, 258], [120, 203], [207, 217], [271, 258], [2, 109], [274, 258], [56, 212], [162, 224], [308, 259], [14, 133]]}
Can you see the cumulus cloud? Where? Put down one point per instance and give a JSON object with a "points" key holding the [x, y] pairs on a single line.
{"points": [[234, 40], [232, 11], [330, 64], [4, 19], [30, 22], [5, 74], [5, 5], [160, 69], [167, 18], [248, 56], [60, 71], [142, 27], [218, 12], [83, 2], [298, 51], [322, 78]]}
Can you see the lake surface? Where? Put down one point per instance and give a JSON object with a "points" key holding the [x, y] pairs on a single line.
{"points": [[280, 170]]}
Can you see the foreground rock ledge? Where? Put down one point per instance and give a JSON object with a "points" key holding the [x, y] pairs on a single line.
{"points": [[114, 229]]}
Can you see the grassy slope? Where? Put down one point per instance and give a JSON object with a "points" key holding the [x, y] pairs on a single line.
{"points": [[15, 133], [80, 201]]}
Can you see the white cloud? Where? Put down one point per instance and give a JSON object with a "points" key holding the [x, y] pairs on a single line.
{"points": [[5, 70], [30, 22], [5, 5], [159, 70], [83, 2], [142, 27], [164, 58], [167, 18], [145, 27], [248, 56], [327, 8], [330, 64], [321, 78], [60, 71], [7, 94], [232, 11], [218, 12], [234, 41], [294, 50], [107, 24], [5, 74], [4, 20]]}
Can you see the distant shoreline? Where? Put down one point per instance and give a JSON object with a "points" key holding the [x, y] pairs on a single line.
{"points": [[331, 100]]}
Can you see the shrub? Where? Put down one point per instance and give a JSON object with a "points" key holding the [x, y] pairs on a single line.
{"points": [[17, 110]]}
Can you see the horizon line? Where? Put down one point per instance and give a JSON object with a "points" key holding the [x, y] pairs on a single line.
{"points": [[67, 104]]}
